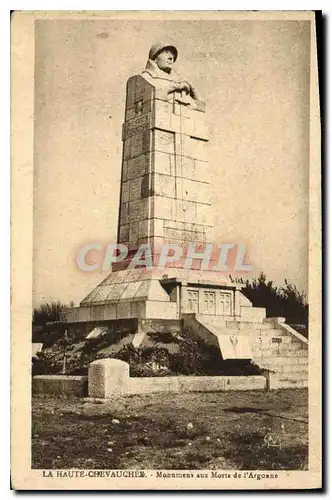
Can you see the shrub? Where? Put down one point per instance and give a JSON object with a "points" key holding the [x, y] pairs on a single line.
{"points": [[46, 313], [285, 301]]}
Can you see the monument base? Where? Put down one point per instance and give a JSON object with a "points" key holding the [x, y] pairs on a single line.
{"points": [[212, 308], [164, 293]]}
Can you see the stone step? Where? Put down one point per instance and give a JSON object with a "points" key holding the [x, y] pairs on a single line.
{"points": [[269, 340], [243, 325], [285, 369], [298, 352], [269, 351], [276, 333], [264, 351], [292, 384], [286, 360], [257, 337], [302, 375], [281, 347]]}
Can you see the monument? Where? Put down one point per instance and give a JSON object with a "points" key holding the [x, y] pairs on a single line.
{"points": [[165, 199]]}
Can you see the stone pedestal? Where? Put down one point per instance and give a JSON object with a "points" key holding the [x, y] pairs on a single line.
{"points": [[108, 378]]}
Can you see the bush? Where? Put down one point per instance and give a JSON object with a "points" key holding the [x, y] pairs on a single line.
{"points": [[46, 313], [285, 301]]}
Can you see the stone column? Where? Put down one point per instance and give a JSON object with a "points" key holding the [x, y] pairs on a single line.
{"points": [[165, 186], [237, 303]]}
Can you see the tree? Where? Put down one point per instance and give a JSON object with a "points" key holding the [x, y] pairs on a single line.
{"points": [[46, 313], [285, 301]]}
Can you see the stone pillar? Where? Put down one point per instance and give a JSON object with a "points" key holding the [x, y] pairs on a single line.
{"points": [[108, 378], [183, 298], [165, 189], [237, 303]]}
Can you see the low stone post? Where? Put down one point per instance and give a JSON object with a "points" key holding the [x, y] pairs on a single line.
{"points": [[272, 381], [108, 378]]}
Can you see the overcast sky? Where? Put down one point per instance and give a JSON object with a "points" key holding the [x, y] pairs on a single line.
{"points": [[255, 78]]}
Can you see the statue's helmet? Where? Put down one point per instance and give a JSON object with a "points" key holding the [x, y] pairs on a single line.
{"points": [[159, 47]]}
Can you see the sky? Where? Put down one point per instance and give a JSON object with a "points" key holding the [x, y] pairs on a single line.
{"points": [[255, 78]]}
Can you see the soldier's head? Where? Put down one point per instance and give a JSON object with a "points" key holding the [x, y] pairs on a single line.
{"points": [[164, 56]]}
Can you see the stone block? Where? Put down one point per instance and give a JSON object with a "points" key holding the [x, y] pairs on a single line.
{"points": [[97, 313], [135, 189], [136, 145], [143, 228], [186, 167], [163, 163], [161, 310], [163, 207], [164, 185], [124, 233], [123, 310], [164, 141], [133, 235], [202, 169], [255, 314], [108, 378], [200, 129], [124, 213], [203, 214], [187, 126], [127, 148], [138, 210], [138, 166], [148, 385], [194, 190], [162, 114], [84, 314], [70, 315], [286, 368], [110, 311], [192, 147], [138, 309], [185, 210], [125, 192]]}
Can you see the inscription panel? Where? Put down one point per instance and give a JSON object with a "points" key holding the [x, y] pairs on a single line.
{"points": [[135, 126]]}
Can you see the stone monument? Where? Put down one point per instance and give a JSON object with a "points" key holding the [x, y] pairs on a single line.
{"points": [[165, 199]]}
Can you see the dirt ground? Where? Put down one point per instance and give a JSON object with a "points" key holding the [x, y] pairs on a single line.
{"points": [[250, 430]]}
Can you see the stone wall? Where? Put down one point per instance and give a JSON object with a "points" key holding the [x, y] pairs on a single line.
{"points": [[60, 385], [109, 378], [102, 387], [142, 385]]}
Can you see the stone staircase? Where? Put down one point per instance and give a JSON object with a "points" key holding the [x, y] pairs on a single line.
{"points": [[278, 348], [275, 346]]}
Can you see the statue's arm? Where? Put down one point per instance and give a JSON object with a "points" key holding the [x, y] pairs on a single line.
{"points": [[192, 91]]}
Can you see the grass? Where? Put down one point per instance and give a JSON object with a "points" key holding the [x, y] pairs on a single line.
{"points": [[228, 432]]}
